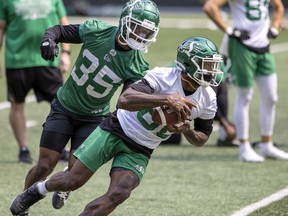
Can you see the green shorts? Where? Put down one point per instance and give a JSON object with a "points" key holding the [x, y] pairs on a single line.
{"points": [[101, 146], [246, 64]]}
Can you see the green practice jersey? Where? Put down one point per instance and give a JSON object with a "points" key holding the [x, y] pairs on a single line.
{"points": [[99, 70], [26, 22]]}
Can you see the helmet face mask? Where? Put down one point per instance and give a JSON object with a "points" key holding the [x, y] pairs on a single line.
{"points": [[139, 24], [199, 58], [208, 71]]}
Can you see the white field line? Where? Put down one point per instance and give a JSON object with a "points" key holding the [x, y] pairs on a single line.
{"points": [[31, 123], [262, 203], [281, 47], [6, 104]]}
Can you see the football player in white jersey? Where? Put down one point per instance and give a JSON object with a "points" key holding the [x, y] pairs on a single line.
{"points": [[252, 61], [129, 136]]}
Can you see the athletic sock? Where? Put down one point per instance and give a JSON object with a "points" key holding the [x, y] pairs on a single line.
{"points": [[42, 188]]}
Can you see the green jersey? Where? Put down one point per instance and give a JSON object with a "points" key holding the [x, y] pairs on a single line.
{"points": [[99, 70], [26, 23]]}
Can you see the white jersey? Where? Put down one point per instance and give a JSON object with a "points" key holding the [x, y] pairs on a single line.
{"points": [[253, 16], [139, 125]]}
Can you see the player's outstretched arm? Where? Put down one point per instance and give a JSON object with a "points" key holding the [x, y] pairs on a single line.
{"points": [[134, 100], [54, 35]]}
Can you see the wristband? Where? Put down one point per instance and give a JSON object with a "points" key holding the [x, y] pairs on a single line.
{"points": [[66, 51]]}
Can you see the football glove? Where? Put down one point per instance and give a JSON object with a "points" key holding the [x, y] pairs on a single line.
{"points": [[273, 33], [238, 34], [49, 49]]}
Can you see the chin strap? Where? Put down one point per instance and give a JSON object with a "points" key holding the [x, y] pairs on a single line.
{"points": [[120, 38], [189, 83]]}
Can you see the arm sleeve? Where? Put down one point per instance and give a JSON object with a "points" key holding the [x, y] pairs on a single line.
{"points": [[203, 125], [143, 86], [64, 34]]}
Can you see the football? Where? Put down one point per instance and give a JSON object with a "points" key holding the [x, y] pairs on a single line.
{"points": [[164, 116]]}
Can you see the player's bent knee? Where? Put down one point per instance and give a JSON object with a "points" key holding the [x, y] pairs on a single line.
{"points": [[43, 170], [119, 195]]}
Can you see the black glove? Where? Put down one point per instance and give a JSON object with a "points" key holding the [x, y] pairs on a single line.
{"points": [[49, 49], [238, 34], [273, 33]]}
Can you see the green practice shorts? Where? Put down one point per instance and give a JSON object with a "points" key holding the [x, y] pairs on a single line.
{"points": [[246, 64], [101, 146]]}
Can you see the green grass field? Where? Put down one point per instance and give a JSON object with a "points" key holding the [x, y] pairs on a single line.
{"points": [[181, 180]]}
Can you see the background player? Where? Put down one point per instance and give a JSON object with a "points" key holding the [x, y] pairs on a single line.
{"points": [[251, 60]]}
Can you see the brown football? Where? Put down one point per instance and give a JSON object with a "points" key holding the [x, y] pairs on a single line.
{"points": [[164, 116]]}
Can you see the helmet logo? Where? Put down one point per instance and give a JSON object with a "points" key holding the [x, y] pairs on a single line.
{"points": [[192, 48], [136, 4]]}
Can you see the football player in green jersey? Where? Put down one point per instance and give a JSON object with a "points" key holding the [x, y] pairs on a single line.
{"points": [[22, 24], [110, 56]]}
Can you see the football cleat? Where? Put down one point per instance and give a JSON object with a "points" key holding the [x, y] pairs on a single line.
{"points": [[26, 213], [64, 155], [272, 152], [59, 198], [23, 201], [24, 156], [227, 143], [247, 154]]}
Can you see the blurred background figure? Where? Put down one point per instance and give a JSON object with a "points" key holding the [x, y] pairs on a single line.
{"points": [[227, 130], [23, 23], [252, 61]]}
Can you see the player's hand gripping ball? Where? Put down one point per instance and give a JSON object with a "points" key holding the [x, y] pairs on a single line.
{"points": [[164, 116]]}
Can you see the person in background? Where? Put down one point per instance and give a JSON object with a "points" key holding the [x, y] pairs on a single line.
{"points": [[129, 135], [23, 24], [109, 57], [227, 130], [252, 61]]}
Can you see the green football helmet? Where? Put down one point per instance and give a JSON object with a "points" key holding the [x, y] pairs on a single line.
{"points": [[139, 23], [199, 58]]}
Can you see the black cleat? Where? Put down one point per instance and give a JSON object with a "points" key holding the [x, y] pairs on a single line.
{"points": [[26, 213], [227, 143], [64, 155], [256, 143], [59, 198], [25, 157], [23, 201]]}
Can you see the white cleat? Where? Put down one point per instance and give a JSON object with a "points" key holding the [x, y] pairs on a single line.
{"points": [[272, 152], [249, 155]]}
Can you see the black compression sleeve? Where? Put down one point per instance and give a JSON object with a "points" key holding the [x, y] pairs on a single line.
{"points": [[64, 34], [203, 125], [142, 86]]}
